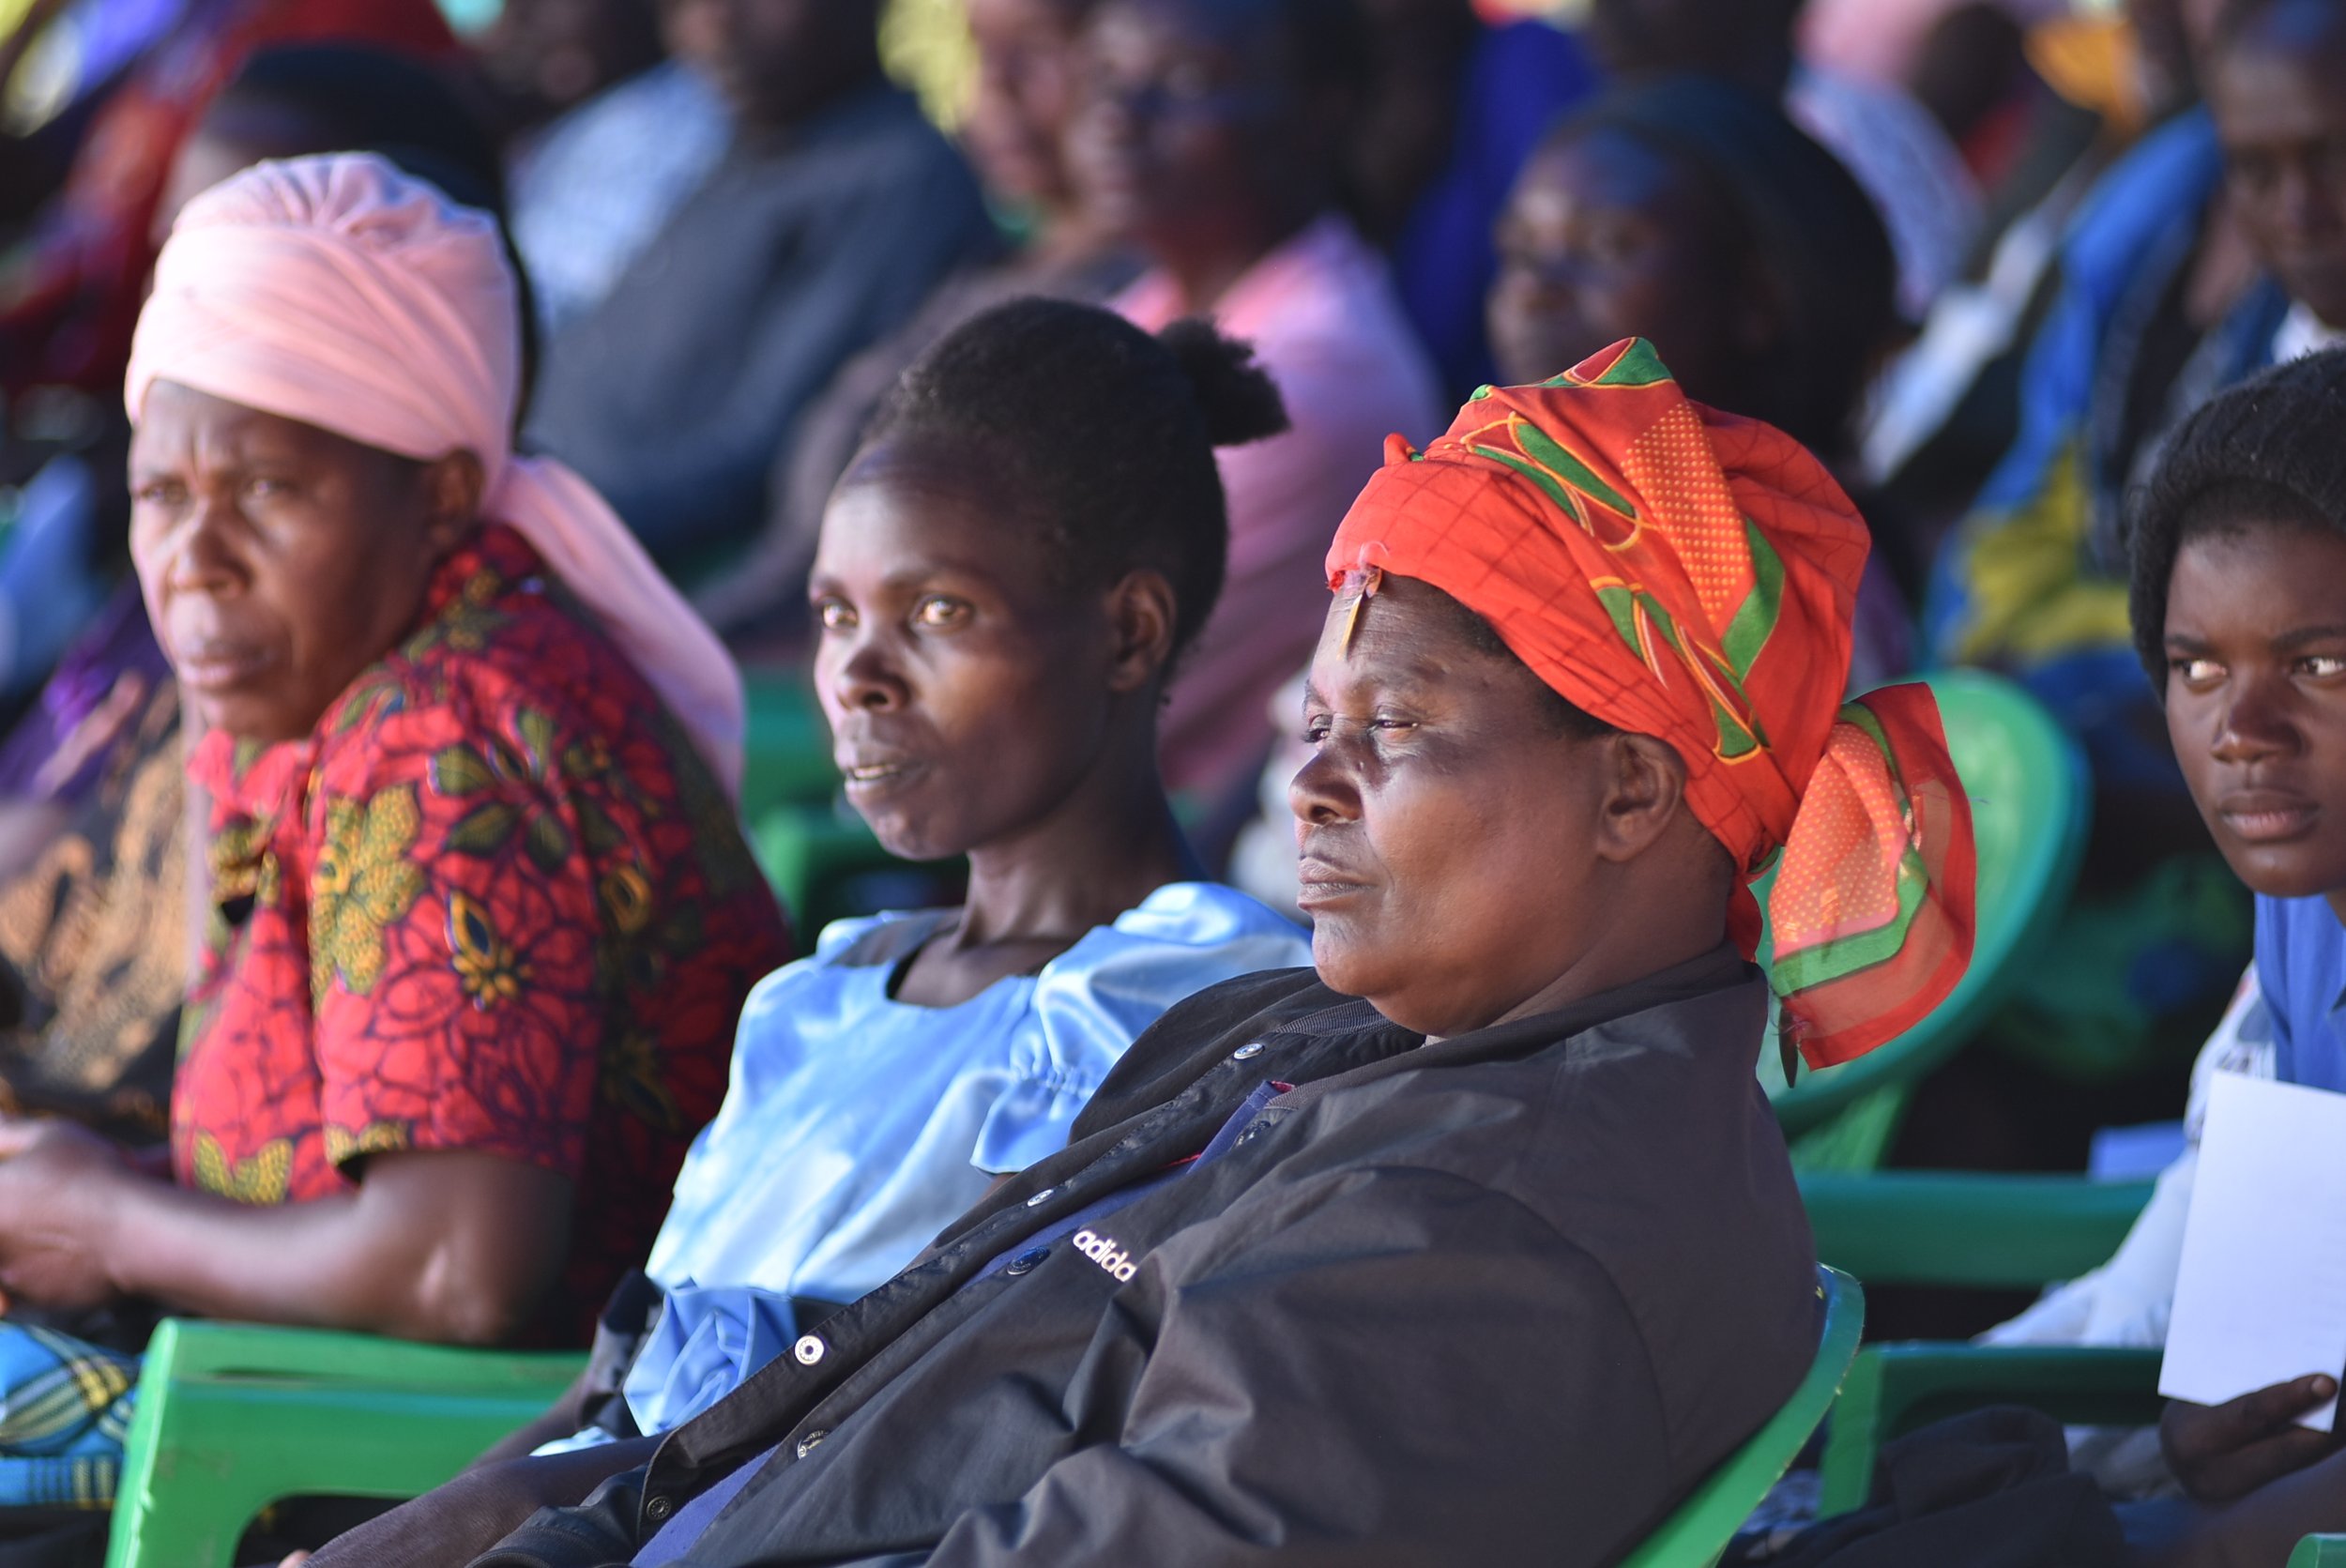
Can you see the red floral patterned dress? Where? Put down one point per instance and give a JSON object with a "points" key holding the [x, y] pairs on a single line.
{"points": [[495, 902]]}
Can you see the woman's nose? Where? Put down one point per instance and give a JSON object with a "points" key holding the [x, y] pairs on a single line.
{"points": [[868, 679], [1324, 789], [203, 556], [2256, 723]]}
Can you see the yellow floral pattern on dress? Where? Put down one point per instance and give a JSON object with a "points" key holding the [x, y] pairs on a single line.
{"points": [[343, 1145], [486, 964], [363, 884], [260, 1180]]}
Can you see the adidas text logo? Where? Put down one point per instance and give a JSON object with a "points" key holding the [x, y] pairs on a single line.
{"points": [[1108, 1255]]}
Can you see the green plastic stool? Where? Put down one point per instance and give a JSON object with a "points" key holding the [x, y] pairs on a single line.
{"points": [[1983, 1231], [1697, 1533], [1896, 1388], [2031, 809], [233, 1417]]}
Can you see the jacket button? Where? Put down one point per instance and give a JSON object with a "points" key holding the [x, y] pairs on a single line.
{"points": [[1042, 1198], [1247, 1051], [1024, 1261], [811, 1441], [659, 1508], [809, 1349]]}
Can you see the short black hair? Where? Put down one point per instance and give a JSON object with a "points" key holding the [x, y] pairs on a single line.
{"points": [[1103, 434], [1810, 230], [2266, 452]]}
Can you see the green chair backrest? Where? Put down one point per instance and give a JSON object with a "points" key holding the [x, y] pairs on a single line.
{"points": [[1698, 1531], [232, 1416], [2030, 806], [787, 747]]}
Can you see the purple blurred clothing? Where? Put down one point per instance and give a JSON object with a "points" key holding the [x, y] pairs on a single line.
{"points": [[1325, 321], [117, 645]]}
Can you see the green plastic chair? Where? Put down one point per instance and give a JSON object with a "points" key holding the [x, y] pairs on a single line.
{"points": [[2031, 808], [233, 1417], [787, 747], [1983, 1231], [1697, 1533], [814, 858], [2320, 1552]]}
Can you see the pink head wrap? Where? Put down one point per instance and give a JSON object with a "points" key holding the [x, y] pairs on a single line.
{"points": [[338, 292]]}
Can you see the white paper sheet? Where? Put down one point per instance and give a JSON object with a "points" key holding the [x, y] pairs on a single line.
{"points": [[2262, 1295]]}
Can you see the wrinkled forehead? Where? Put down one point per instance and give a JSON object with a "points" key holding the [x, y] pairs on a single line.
{"points": [[1398, 634]]}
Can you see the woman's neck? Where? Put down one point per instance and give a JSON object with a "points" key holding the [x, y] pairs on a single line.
{"points": [[1034, 893]]}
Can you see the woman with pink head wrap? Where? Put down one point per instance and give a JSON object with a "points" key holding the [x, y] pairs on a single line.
{"points": [[482, 919]]}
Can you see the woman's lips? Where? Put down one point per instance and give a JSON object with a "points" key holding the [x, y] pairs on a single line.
{"points": [[2266, 817], [872, 775], [220, 667], [1320, 884]]}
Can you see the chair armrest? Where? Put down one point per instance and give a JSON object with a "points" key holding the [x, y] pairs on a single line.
{"points": [[1967, 1228], [232, 1416], [2320, 1552], [1896, 1388]]}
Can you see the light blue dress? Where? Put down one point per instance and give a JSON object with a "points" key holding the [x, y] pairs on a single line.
{"points": [[857, 1126]]}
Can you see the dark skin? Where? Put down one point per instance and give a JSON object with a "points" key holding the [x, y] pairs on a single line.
{"points": [[777, 63], [979, 706], [944, 670], [1607, 237], [1465, 860], [543, 56], [1023, 100], [2256, 704], [1745, 40], [2280, 115], [1196, 138], [278, 561]]}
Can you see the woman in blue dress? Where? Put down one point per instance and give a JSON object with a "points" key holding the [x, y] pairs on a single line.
{"points": [[1008, 576]]}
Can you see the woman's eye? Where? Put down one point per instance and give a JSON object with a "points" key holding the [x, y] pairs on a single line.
{"points": [[267, 488], [159, 493], [833, 615], [2195, 672], [939, 611], [2324, 666]]}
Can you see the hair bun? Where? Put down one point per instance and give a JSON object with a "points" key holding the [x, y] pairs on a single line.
{"points": [[1237, 397]]}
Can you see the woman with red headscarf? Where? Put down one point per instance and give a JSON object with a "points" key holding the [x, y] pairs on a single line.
{"points": [[1479, 1244]]}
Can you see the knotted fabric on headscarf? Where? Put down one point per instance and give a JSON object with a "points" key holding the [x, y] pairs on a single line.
{"points": [[1690, 575], [340, 292]]}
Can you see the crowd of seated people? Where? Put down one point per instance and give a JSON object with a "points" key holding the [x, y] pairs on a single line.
{"points": [[1481, 478]]}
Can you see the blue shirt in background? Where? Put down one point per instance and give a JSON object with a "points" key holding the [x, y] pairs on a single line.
{"points": [[1520, 79], [2301, 968]]}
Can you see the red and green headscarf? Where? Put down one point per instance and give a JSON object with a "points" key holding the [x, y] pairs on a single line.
{"points": [[1689, 574]]}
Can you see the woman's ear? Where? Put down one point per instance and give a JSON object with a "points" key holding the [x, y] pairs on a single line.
{"points": [[453, 488], [1142, 613], [1649, 783]]}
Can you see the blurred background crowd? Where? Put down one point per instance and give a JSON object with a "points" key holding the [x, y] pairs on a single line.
{"points": [[1980, 255]]}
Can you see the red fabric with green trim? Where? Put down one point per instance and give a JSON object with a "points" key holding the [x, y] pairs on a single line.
{"points": [[1691, 575]]}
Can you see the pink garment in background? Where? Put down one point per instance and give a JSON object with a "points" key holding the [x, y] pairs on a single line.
{"points": [[1878, 39], [1325, 321], [338, 292]]}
